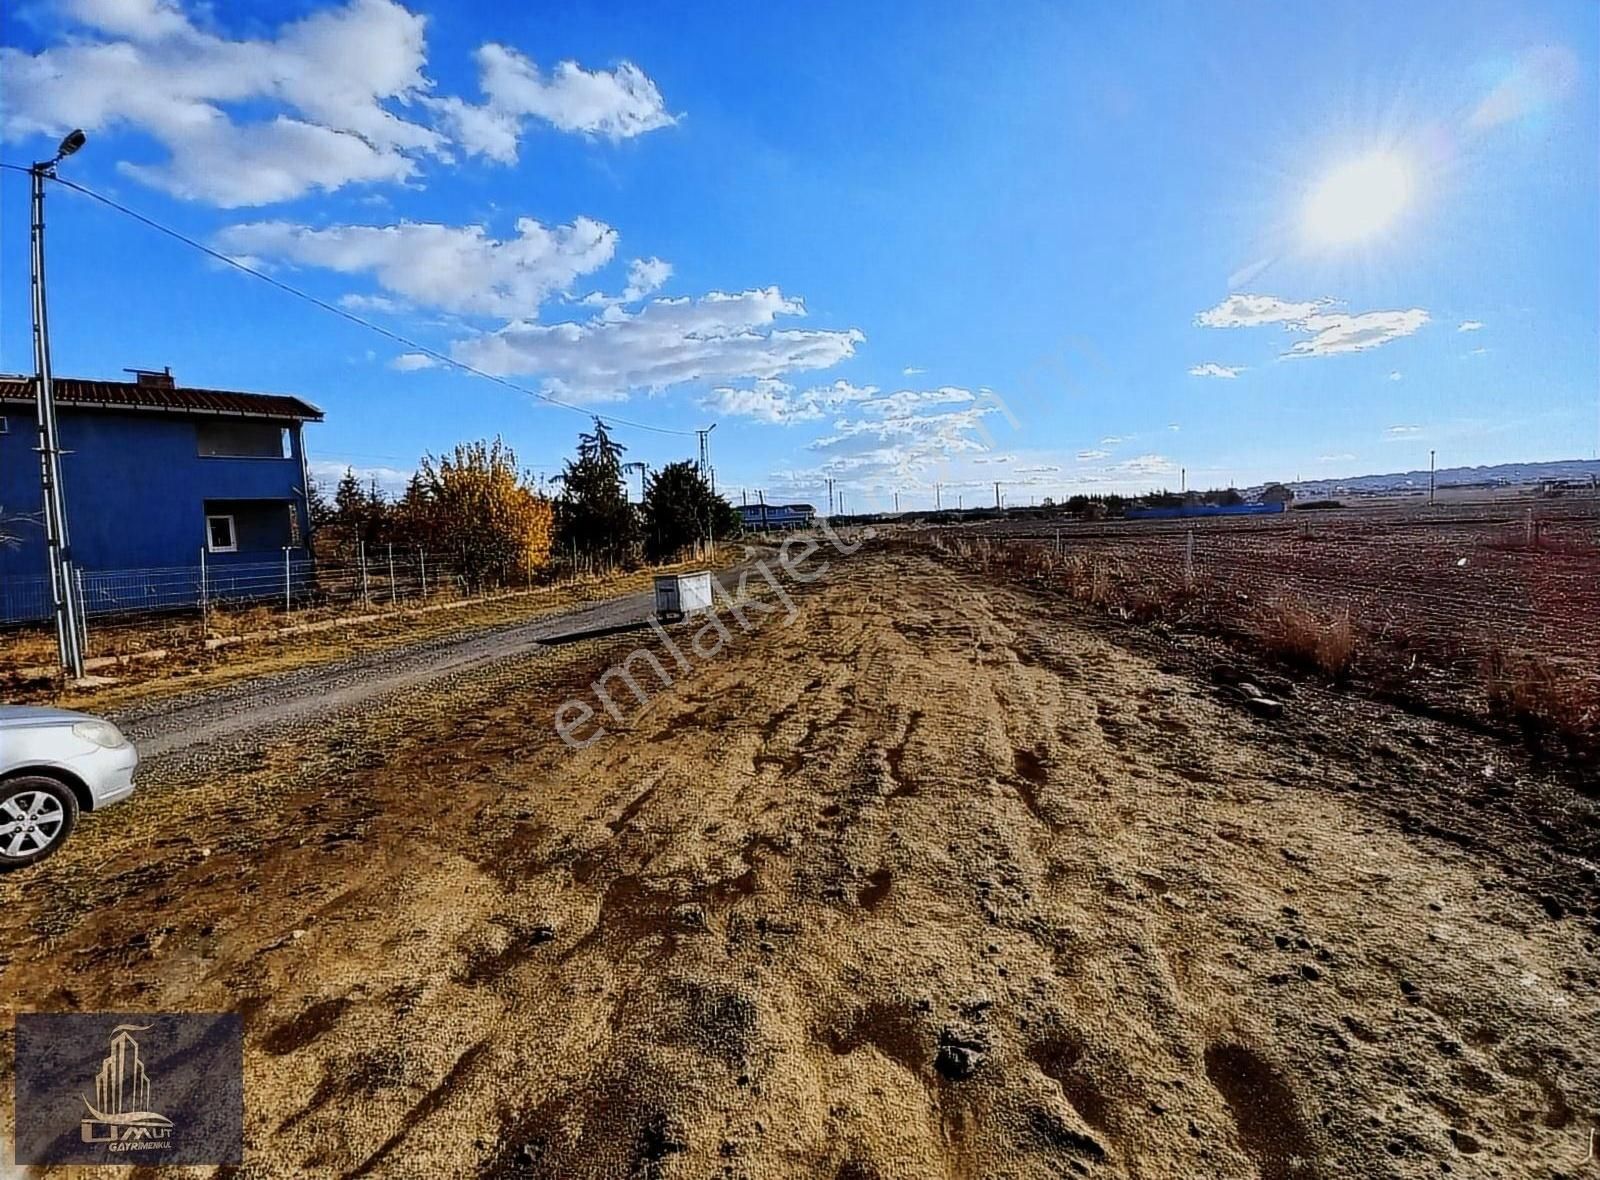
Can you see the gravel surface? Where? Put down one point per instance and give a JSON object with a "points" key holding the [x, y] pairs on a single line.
{"points": [[210, 726]]}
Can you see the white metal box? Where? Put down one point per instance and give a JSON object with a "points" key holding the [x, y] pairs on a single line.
{"points": [[681, 595]]}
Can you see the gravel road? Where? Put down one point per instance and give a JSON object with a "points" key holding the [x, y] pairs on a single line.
{"points": [[211, 724]]}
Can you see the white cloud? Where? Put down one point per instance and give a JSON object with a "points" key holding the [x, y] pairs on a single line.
{"points": [[1331, 332], [146, 65], [410, 362], [905, 435], [1112, 440], [1213, 370], [1355, 333], [1091, 456], [1251, 311], [1341, 457], [616, 104], [331, 99], [1174, 427], [778, 403], [1042, 469], [1470, 326], [912, 371], [1397, 433], [645, 275], [1145, 465], [1396, 375], [716, 337], [355, 302], [454, 268], [1479, 351], [328, 472]]}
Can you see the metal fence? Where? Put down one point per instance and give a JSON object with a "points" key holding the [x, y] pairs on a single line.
{"points": [[297, 581]]}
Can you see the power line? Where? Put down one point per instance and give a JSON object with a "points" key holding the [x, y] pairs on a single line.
{"points": [[434, 354]]}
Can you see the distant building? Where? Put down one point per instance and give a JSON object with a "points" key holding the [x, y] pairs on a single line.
{"points": [[777, 516], [153, 472]]}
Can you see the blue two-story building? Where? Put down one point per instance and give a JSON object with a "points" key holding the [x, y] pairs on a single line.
{"points": [[154, 474]]}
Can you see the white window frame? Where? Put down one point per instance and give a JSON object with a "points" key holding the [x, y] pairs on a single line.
{"points": [[233, 534], [5, 425]]}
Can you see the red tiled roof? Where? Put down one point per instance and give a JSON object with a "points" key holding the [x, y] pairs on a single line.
{"points": [[128, 395]]}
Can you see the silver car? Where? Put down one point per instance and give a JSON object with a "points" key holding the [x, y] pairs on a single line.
{"points": [[53, 764]]}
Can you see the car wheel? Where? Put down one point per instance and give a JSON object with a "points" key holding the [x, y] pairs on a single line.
{"points": [[37, 814]]}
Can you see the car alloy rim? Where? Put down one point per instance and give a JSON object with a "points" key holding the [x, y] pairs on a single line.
{"points": [[30, 822]]}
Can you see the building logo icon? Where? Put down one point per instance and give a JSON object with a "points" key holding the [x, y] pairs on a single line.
{"points": [[121, 1118]]}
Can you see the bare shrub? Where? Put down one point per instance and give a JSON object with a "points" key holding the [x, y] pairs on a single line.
{"points": [[1549, 705], [1299, 635]]}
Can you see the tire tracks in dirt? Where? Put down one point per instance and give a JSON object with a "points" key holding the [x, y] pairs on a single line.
{"points": [[932, 882]]}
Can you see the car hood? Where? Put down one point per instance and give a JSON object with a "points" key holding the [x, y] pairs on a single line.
{"points": [[21, 715]]}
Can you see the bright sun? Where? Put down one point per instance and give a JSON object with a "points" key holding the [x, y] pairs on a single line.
{"points": [[1357, 200]]}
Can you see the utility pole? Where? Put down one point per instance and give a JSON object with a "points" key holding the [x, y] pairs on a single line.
{"points": [[707, 472], [63, 586], [897, 503], [997, 494], [937, 505], [762, 493], [1431, 469], [830, 496]]}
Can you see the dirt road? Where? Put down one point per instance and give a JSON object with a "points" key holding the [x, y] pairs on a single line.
{"points": [[936, 881], [256, 708]]}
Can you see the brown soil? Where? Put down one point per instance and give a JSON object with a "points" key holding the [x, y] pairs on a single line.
{"points": [[938, 881]]}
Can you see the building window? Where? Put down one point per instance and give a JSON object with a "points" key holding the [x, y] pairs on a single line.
{"points": [[4, 425], [232, 438], [220, 537]]}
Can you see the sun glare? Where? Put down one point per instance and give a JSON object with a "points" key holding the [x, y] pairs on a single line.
{"points": [[1357, 200]]}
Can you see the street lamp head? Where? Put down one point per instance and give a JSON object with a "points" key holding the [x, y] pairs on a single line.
{"points": [[75, 139]]}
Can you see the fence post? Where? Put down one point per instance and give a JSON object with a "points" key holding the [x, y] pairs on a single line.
{"points": [[287, 583], [391, 574], [422, 558], [205, 599], [1188, 561], [361, 553], [83, 611]]}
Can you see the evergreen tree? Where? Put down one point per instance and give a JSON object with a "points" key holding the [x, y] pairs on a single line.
{"points": [[680, 508], [594, 518]]}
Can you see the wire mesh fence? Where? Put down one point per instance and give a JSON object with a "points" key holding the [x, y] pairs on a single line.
{"points": [[126, 610]]}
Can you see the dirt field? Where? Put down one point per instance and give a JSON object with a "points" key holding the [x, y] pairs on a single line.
{"points": [[1443, 603], [944, 879]]}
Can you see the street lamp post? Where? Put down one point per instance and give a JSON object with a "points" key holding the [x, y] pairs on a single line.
{"points": [[63, 587]]}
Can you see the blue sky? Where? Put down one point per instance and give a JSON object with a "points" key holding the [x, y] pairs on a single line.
{"points": [[1068, 247]]}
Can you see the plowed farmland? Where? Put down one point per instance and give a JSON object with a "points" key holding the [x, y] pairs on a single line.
{"points": [[1434, 597]]}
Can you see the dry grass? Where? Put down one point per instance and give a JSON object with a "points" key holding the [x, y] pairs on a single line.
{"points": [[1554, 708], [1300, 636], [1549, 704]]}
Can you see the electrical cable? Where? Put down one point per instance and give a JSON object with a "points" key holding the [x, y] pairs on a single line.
{"points": [[398, 338]]}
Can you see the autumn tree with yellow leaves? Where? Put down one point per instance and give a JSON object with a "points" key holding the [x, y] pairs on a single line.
{"points": [[475, 507]]}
